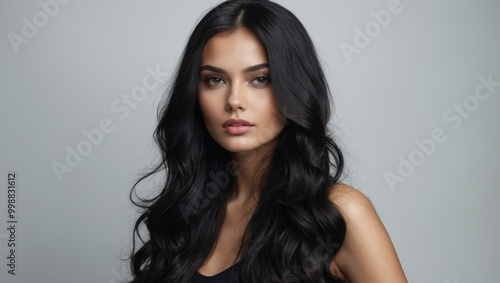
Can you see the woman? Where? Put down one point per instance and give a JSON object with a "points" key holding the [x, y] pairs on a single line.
{"points": [[253, 190]]}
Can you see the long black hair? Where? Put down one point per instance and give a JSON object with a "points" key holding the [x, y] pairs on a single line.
{"points": [[294, 231]]}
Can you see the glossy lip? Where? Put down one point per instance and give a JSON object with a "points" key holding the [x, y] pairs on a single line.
{"points": [[237, 126]]}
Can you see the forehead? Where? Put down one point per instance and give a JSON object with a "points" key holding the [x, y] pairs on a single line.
{"points": [[238, 47]]}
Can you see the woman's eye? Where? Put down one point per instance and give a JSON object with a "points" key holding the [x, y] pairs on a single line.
{"points": [[261, 80], [212, 81]]}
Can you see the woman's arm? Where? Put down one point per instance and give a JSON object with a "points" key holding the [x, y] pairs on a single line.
{"points": [[367, 254]]}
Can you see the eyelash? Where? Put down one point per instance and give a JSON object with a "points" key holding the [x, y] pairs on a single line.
{"points": [[208, 80]]}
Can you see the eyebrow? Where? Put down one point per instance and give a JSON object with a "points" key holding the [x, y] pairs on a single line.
{"points": [[246, 70]]}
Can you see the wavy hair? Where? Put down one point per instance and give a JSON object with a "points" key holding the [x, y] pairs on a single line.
{"points": [[294, 231]]}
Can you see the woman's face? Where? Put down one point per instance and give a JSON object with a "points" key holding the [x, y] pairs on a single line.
{"points": [[235, 93]]}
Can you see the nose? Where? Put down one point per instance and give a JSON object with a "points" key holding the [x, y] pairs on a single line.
{"points": [[235, 98]]}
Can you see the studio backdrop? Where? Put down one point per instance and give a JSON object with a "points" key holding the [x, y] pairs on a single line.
{"points": [[415, 86]]}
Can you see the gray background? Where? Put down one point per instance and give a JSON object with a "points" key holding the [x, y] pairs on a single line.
{"points": [[443, 219]]}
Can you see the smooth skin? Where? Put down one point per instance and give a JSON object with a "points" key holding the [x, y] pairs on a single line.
{"points": [[235, 82]]}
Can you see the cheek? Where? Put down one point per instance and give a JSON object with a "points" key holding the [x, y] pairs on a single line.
{"points": [[211, 110], [207, 107], [261, 100], [267, 105], [270, 114]]}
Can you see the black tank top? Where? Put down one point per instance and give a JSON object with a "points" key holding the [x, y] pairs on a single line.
{"points": [[222, 277]]}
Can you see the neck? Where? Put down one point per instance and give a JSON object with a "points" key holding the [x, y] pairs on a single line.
{"points": [[247, 180]]}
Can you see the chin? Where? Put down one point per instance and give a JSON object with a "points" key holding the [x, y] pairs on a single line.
{"points": [[243, 149], [248, 147]]}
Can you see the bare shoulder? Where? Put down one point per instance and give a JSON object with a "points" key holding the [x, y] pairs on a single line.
{"points": [[349, 200], [354, 206], [367, 253]]}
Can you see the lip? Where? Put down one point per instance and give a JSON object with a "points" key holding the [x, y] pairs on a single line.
{"points": [[237, 126]]}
